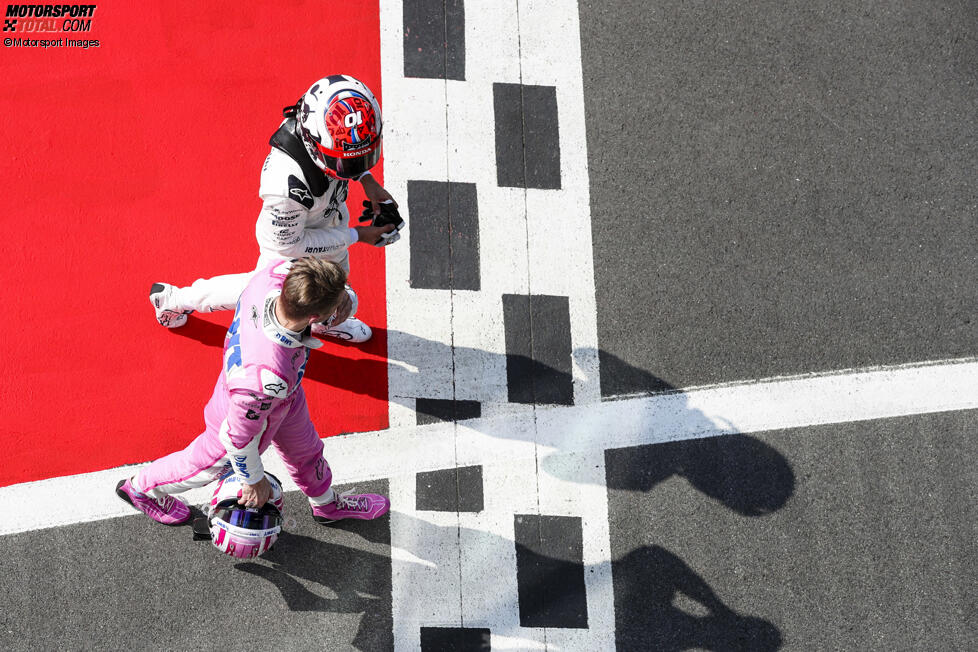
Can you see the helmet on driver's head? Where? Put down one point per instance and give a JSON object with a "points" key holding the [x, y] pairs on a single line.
{"points": [[240, 531], [340, 123]]}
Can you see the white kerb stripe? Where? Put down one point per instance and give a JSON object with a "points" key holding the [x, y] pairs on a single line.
{"points": [[757, 406]]}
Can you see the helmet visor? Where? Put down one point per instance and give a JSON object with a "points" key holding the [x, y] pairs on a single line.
{"points": [[264, 518], [348, 167]]}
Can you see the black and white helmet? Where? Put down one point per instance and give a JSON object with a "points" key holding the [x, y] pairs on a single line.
{"points": [[340, 123]]}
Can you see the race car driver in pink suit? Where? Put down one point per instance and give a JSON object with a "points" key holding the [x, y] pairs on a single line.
{"points": [[259, 401], [331, 136]]}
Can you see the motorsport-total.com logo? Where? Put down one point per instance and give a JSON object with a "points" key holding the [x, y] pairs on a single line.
{"points": [[48, 18]]}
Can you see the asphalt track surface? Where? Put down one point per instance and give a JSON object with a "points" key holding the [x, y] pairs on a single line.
{"points": [[774, 189], [780, 187]]}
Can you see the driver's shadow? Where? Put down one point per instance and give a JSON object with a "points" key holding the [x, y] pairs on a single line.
{"points": [[670, 607], [418, 367], [341, 569], [343, 573], [346, 580]]}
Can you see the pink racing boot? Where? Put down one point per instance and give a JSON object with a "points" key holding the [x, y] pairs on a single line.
{"points": [[363, 506], [167, 510]]}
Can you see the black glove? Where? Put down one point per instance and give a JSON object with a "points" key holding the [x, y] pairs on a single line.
{"points": [[388, 215]]}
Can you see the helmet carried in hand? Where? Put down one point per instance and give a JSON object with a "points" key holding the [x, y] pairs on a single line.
{"points": [[239, 531]]}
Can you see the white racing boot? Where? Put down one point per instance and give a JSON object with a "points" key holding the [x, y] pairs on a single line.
{"points": [[352, 330]]}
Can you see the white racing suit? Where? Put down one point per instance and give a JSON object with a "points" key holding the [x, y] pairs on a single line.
{"points": [[293, 222]]}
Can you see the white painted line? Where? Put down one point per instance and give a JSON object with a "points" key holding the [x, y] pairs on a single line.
{"points": [[758, 406]]}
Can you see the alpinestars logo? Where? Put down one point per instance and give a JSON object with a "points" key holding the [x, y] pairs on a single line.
{"points": [[299, 192], [48, 18]]}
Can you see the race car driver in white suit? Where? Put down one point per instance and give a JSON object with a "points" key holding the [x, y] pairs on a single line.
{"points": [[331, 136]]}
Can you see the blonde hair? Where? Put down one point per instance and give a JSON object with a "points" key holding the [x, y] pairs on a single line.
{"points": [[312, 287]]}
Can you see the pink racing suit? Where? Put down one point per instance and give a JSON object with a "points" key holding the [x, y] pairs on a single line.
{"points": [[258, 401]]}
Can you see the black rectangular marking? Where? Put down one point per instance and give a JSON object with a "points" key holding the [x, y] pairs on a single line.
{"points": [[434, 39], [433, 410], [527, 136], [463, 218], [450, 490], [444, 223], [507, 101], [538, 349], [550, 571], [455, 639]]}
